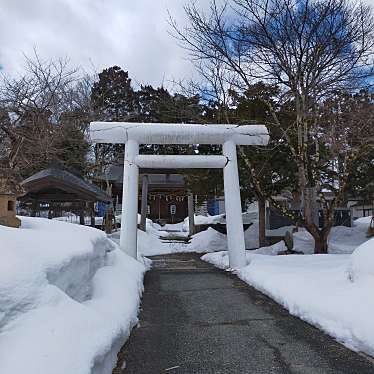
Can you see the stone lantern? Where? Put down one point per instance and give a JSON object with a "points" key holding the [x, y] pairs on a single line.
{"points": [[8, 198]]}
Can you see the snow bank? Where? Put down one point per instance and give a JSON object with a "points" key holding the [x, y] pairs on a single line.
{"points": [[209, 240], [68, 298], [73, 218], [221, 259], [204, 220], [250, 216], [341, 239], [361, 263], [316, 289], [156, 241], [149, 242], [251, 236], [332, 292], [363, 221]]}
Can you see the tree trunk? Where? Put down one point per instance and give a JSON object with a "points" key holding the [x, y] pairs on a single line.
{"points": [[320, 239], [92, 210], [320, 245], [261, 222], [82, 216], [34, 208], [191, 214]]}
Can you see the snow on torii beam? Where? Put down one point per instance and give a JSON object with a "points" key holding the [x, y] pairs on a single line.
{"points": [[165, 133], [133, 134]]}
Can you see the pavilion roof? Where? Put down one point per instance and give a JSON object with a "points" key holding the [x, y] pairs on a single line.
{"points": [[64, 181]]}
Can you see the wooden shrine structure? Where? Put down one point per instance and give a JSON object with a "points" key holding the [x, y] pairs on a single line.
{"points": [[53, 191]]}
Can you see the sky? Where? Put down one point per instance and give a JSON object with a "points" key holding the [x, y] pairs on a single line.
{"points": [[95, 34]]}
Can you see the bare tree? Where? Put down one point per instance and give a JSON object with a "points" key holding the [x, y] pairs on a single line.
{"points": [[31, 106], [310, 49]]}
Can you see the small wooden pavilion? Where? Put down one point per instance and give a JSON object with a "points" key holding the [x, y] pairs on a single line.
{"points": [[53, 191]]}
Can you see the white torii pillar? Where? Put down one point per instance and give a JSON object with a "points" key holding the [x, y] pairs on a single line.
{"points": [[133, 134], [129, 219], [233, 207]]}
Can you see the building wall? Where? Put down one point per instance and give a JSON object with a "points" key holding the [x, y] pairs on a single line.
{"points": [[362, 211], [275, 220], [160, 209]]}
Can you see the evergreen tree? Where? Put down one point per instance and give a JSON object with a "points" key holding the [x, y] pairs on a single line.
{"points": [[71, 145], [155, 104], [159, 106], [113, 99], [112, 96]]}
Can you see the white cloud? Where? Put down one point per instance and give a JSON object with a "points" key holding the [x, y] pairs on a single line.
{"points": [[102, 33]]}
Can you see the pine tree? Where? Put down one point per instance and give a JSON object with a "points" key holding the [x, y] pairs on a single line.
{"points": [[112, 96], [71, 145]]}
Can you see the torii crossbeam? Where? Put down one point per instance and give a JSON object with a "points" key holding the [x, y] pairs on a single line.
{"points": [[134, 134]]}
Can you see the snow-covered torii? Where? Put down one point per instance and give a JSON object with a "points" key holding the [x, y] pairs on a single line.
{"points": [[134, 134]]}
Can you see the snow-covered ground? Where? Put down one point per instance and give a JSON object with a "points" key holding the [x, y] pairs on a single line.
{"points": [[73, 218], [332, 292], [158, 240], [68, 298]]}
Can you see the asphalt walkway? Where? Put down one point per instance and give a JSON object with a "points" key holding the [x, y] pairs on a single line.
{"points": [[196, 319]]}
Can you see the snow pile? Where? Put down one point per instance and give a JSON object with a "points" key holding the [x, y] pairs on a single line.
{"points": [[181, 226], [316, 289], [156, 241], [342, 239], [204, 220], [361, 264], [363, 221], [249, 216], [330, 291], [149, 242], [73, 218], [68, 298], [221, 259], [251, 236], [209, 240]]}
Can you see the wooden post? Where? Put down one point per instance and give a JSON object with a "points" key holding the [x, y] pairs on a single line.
{"points": [[108, 220], [191, 214], [92, 210], [261, 222], [81, 215], [143, 218], [34, 208]]}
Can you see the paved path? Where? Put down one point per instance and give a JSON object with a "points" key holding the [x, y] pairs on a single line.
{"points": [[199, 320]]}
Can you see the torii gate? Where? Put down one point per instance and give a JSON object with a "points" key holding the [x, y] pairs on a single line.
{"points": [[134, 134]]}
